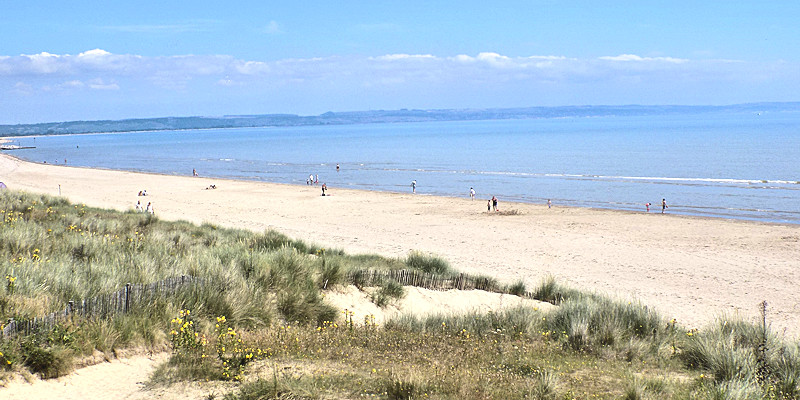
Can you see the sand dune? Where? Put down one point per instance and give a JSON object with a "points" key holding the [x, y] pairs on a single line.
{"points": [[692, 269]]}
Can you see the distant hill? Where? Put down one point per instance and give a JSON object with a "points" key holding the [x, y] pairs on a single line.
{"points": [[367, 117]]}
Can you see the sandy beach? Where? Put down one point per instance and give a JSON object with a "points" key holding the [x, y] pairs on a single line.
{"points": [[692, 269]]}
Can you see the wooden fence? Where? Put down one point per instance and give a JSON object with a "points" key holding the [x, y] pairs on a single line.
{"points": [[421, 279], [425, 280], [123, 300], [366, 278], [104, 306]]}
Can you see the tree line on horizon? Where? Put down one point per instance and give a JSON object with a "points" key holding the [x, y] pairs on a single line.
{"points": [[372, 116]]}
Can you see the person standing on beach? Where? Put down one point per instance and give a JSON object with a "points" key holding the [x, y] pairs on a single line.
{"points": [[337, 167], [494, 203], [472, 194], [664, 205], [311, 179], [414, 186], [139, 206], [549, 203], [150, 209], [648, 206], [324, 188], [194, 172], [489, 205]]}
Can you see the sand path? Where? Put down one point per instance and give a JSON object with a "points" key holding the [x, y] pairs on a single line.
{"points": [[116, 379], [689, 268]]}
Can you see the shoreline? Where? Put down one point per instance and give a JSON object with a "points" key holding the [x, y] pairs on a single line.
{"points": [[693, 268], [393, 192], [630, 209]]}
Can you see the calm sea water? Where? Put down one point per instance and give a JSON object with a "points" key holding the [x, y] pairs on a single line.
{"points": [[728, 165]]}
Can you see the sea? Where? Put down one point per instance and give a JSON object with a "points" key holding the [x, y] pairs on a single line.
{"points": [[740, 165]]}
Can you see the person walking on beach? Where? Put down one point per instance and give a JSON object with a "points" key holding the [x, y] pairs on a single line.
{"points": [[414, 186], [494, 203], [150, 209], [324, 188], [472, 194], [139, 206], [549, 203], [489, 205], [664, 205]]}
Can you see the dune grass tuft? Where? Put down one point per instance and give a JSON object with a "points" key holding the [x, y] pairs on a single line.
{"points": [[428, 263]]}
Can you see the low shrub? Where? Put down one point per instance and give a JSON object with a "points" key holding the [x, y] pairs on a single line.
{"points": [[548, 290], [48, 362], [331, 273], [517, 288], [386, 293]]}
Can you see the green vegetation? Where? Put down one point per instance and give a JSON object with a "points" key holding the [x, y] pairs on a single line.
{"points": [[256, 319], [427, 263]]}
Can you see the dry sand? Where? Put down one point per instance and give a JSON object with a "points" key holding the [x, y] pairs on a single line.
{"points": [[117, 379], [689, 268], [423, 302]]}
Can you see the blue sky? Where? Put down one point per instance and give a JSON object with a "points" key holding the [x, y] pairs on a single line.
{"points": [[94, 60]]}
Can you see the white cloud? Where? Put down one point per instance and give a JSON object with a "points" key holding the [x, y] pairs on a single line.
{"points": [[43, 62], [463, 58], [392, 57], [100, 84], [273, 28], [227, 82], [73, 84], [548, 58], [633, 57], [418, 75], [94, 53], [23, 88], [178, 70], [251, 67]]}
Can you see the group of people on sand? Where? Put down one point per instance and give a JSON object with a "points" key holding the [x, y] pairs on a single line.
{"points": [[491, 204], [664, 206], [143, 192], [313, 180], [147, 209]]}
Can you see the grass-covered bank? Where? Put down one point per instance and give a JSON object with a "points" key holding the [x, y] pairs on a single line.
{"points": [[268, 289]]}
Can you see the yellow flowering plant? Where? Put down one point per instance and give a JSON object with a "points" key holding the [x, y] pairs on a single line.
{"points": [[11, 283], [185, 339], [5, 361]]}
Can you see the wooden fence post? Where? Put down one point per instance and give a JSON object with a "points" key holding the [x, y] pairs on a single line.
{"points": [[127, 297]]}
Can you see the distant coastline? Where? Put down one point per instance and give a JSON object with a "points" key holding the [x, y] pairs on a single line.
{"points": [[373, 116]]}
